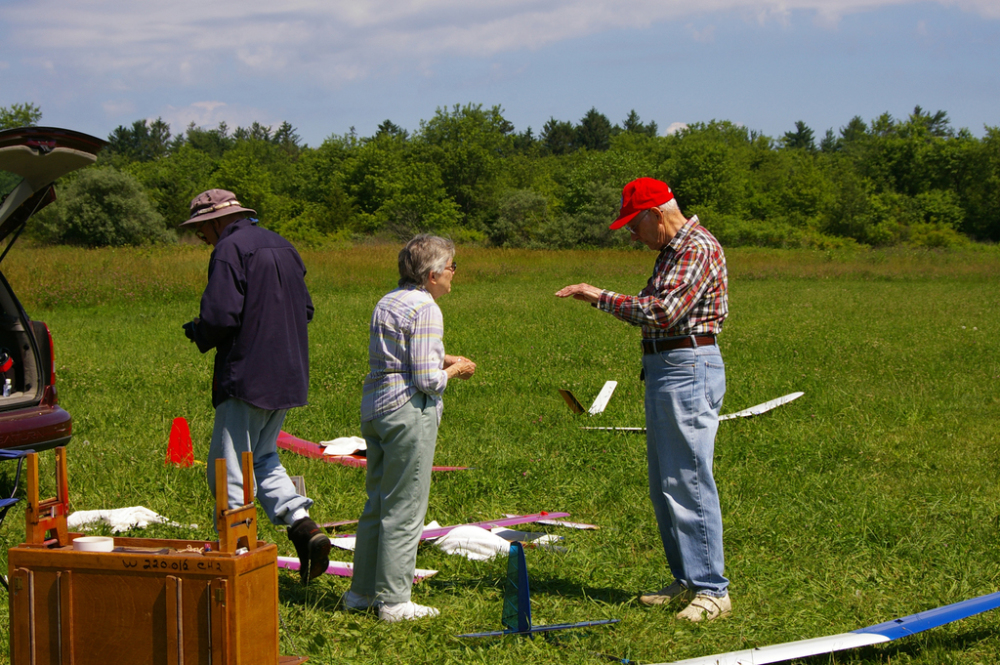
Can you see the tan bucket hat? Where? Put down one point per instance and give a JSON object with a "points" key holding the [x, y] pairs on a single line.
{"points": [[214, 203]]}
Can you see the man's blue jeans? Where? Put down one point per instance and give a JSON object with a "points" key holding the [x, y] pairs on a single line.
{"points": [[684, 389], [240, 427]]}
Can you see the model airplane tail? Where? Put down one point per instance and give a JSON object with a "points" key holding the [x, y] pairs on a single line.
{"points": [[517, 595], [600, 402], [516, 616]]}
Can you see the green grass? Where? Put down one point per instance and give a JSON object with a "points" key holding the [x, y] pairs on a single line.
{"points": [[872, 497]]}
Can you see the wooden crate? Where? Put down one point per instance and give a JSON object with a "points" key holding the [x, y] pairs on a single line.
{"points": [[169, 602]]}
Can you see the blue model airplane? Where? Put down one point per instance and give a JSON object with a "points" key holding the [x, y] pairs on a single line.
{"points": [[516, 617]]}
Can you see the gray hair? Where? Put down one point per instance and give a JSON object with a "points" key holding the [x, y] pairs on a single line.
{"points": [[423, 255], [670, 205]]}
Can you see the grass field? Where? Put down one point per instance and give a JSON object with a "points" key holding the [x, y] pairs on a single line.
{"points": [[874, 496]]}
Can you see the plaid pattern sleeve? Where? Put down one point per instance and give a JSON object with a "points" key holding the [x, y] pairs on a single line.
{"points": [[405, 352], [687, 294]]}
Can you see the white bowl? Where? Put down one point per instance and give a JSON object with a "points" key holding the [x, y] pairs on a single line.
{"points": [[93, 544]]}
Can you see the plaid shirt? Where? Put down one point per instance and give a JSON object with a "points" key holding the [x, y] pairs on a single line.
{"points": [[405, 352], [687, 294]]}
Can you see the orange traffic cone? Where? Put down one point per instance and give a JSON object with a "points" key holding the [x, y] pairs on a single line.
{"points": [[180, 450]]}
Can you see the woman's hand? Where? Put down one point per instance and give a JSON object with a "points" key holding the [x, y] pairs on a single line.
{"points": [[459, 366], [451, 360]]}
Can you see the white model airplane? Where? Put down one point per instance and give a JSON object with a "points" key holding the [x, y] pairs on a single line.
{"points": [[745, 413], [600, 402]]}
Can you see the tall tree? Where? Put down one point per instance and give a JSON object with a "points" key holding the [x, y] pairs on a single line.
{"points": [[144, 141], [286, 138], [389, 128], [558, 137], [594, 131], [19, 115], [632, 124], [855, 130], [469, 144], [801, 138]]}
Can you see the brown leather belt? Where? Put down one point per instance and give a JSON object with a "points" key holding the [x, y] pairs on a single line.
{"points": [[661, 345]]}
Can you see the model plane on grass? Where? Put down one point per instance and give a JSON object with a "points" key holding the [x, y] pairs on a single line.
{"points": [[516, 615], [600, 402], [745, 413], [862, 637]]}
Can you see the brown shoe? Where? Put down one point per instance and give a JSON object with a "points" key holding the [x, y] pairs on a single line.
{"points": [[706, 608], [313, 547], [668, 595]]}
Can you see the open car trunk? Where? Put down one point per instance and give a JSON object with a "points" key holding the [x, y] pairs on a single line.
{"points": [[31, 159]]}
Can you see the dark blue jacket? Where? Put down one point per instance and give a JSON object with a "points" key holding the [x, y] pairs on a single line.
{"points": [[254, 313]]}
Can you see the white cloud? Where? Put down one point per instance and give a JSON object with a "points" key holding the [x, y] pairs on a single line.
{"points": [[675, 127], [209, 114], [336, 41], [705, 36], [118, 107]]}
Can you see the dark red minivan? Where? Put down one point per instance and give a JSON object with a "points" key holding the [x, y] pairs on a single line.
{"points": [[31, 160]]}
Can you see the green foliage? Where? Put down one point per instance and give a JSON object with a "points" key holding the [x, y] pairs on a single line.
{"points": [[594, 131], [801, 139], [19, 115], [708, 165], [467, 173], [105, 207], [469, 144], [143, 142]]}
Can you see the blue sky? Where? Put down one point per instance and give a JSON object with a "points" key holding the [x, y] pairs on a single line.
{"points": [[328, 65]]}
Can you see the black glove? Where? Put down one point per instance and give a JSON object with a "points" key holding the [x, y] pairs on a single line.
{"points": [[189, 330]]}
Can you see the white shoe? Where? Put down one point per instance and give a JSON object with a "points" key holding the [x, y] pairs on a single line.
{"points": [[706, 608], [408, 611]]}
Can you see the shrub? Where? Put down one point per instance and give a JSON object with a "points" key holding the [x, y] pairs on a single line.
{"points": [[105, 207]]}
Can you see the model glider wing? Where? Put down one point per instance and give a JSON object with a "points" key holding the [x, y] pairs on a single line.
{"points": [[601, 401], [315, 451], [763, 408], [430, 534], [879, 633], [745, 413], [571, 401], [616, 429]]}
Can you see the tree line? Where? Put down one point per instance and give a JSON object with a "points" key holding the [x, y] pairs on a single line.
{"points": [[467, 173]]}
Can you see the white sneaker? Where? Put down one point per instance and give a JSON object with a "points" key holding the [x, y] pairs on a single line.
{"points": [[706, 608], [408, 611]]}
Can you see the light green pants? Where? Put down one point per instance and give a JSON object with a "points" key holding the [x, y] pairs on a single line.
{"points": [[398, 482]]}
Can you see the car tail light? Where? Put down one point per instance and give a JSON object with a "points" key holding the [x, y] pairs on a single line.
{"points": [[52, 356], [50, 396]]}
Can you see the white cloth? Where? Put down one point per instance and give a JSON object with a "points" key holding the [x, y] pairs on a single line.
{"points": [[344, 445], [120, 519], [472, 542]]}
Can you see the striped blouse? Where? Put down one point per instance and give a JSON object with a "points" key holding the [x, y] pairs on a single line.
{"points": [[405, 352]]}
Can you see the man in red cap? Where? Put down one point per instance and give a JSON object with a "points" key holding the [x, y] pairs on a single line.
{"points": [[254, 313], [680, 311]]}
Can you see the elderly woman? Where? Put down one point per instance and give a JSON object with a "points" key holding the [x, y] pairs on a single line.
{"points": [[400, 413]]}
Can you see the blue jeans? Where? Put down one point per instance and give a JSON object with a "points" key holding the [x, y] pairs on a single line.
{"points": [[684, 389], [239, 427]]}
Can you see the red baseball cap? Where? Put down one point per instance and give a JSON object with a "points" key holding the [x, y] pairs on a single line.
{"points": [[639, 195]]}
